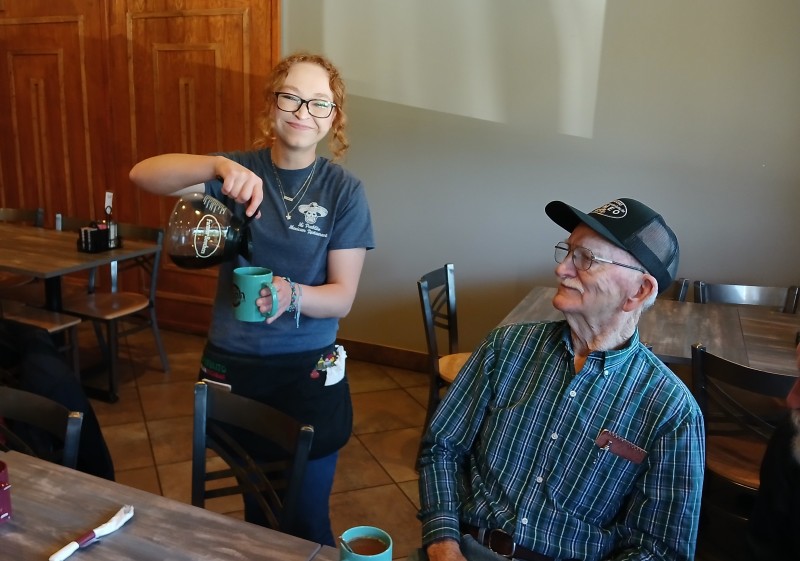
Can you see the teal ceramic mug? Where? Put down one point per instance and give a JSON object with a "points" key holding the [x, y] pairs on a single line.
{"points": [[365, 543], [247, 285]]}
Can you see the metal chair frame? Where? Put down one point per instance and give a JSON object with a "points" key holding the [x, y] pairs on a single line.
{"points": [[736, 432], [45, 414], [784, 299], [112, 308], [275, 485]]}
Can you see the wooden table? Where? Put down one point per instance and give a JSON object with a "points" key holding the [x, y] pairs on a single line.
{"points": [[770, 337], [50, 254], [327, 553], [53, 505], [745, 334]]}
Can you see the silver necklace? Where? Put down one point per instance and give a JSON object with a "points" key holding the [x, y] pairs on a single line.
{"points": [[300, 194]]}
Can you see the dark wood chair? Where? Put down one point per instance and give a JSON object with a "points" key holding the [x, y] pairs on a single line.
{"points": [[678, 290], [54, 323], [437, 297], [275, 485], [32, 216], [122, 313], [781, 298], [738, 427], [12, 285], [23, 410]]}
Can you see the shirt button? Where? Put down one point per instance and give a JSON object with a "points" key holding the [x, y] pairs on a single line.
{"points": [[554, 436], [539, 479], [524, 521], [605, 372], [573, 393]]}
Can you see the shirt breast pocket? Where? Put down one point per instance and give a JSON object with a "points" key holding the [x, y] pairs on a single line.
{"points": [[593, 483]]}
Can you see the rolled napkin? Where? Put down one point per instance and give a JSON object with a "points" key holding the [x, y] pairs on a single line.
{"points": [[124, 514]]}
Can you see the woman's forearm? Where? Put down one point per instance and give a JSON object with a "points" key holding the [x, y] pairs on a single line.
{"points": [[174, 174]]}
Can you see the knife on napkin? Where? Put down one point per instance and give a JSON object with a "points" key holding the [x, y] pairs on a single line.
{"points": [[124, 514]]}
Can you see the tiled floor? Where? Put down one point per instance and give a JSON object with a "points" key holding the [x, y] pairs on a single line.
{"points": [[149, 434]]}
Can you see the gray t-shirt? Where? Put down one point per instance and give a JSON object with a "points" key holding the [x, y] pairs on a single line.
{"points": [[332, 214]]}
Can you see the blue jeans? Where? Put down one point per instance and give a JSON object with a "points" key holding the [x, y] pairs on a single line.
{"points": [[314, 522]]}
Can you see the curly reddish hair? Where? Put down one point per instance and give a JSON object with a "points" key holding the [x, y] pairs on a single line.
{"points": [[338, 140]]}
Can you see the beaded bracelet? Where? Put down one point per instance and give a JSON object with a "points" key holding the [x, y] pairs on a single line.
{"points": [[294, 303], [299, 302]]}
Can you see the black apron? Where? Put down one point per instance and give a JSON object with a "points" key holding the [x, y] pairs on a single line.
{"points": [[292, 384]]}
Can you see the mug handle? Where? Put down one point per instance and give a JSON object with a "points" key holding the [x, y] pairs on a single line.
{"points": [[275, 303]]}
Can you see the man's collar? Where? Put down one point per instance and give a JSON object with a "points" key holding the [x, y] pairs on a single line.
{"points": [[611, 358]]}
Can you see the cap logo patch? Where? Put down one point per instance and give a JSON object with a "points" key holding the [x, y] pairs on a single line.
{"points": [[614, 209]]}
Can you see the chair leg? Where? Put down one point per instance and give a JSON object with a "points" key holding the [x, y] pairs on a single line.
{"points": [[113, 351], [159, 344], [74, 351], [101, 340]]}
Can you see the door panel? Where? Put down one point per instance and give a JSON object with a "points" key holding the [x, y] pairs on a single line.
{"points": [[195, 72], [90, 87], [50, 68]]}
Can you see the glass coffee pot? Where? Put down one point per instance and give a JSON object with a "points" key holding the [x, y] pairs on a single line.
{"points": [[203, 232]]}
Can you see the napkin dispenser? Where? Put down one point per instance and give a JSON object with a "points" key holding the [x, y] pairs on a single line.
{"points": [[98, 236]]}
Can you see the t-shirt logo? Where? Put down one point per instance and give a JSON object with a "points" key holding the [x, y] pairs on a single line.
{"points": [[312, 211]]}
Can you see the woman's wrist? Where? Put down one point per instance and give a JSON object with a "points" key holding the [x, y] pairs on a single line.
{"points": [[295, 300]]}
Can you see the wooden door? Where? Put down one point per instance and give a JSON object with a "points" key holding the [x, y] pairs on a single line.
{"points": [[52, 91], [194, 72], [90, 87]]}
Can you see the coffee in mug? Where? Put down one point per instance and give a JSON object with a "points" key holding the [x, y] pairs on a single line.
{"points": [[365, 543], [367, 546]]}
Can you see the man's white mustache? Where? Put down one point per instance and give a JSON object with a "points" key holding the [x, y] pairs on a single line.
{"points": [[569, 283]]}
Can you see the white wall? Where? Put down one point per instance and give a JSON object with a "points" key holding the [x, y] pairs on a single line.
{"points": [[692, 106]]}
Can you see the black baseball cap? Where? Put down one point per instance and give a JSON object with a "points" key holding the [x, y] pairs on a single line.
{"points": [[632, 226]]}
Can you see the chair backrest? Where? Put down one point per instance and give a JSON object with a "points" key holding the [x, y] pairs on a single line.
{"points": [[740, 415], [32, 216], [221, 419], [73, 223], [42, 413], [713, 377], [149, 264], [781, 298], [678, 290], [437, 296]]}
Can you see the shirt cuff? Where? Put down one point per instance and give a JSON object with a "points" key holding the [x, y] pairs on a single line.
{"points": [[438, 527]]}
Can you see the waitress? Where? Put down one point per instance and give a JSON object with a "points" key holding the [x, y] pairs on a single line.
{"points": [[313, 230]]}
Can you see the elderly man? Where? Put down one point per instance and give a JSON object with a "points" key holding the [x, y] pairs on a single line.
{"points": [[570, 439]]}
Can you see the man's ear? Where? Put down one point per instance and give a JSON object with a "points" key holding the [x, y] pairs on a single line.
{"points": [[647, 287]]}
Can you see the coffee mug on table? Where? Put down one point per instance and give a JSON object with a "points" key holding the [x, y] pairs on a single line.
{"points": [[5, 494], [365, 543], [247, 285]]}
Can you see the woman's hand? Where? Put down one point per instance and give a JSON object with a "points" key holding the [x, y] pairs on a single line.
{"points": [[240, 184], [284, 290]]}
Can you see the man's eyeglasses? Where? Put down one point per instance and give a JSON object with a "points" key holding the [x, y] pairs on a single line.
{"points": [[319, 108], [583, 257]]}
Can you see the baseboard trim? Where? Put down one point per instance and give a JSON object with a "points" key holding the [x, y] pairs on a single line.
{"points": [[389, 356]]}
